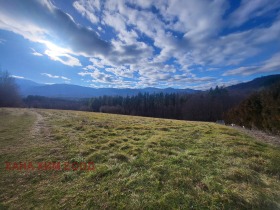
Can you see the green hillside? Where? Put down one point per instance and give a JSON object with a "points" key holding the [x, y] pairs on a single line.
{"points": [[140, 163]]}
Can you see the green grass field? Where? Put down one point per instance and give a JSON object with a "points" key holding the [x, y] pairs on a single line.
{"points": [[140, 163]]}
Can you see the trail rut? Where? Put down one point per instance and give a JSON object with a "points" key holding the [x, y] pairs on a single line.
{"points": [[39, 128]]}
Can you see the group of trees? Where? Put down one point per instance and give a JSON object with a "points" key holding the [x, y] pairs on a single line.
{"points": [[261, 110], [9, 96], [204, 106]]}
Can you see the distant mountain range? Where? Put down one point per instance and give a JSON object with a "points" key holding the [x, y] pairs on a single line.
{"points": [[28, 87]]}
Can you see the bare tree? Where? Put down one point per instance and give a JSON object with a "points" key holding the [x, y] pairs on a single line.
{"points": [[9, 96]]}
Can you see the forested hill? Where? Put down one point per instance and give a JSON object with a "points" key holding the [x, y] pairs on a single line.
{"points": [[256, 84]]}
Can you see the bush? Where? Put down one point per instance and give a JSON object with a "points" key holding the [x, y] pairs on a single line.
{"points": [[261, 110]]}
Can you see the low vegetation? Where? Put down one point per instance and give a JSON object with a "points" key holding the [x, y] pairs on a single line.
{"points": [[140, 163]]}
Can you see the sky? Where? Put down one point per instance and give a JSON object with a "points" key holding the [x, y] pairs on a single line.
{"points": [[140, 43]]}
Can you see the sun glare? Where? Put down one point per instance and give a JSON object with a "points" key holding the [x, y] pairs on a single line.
{"points": [[60, 54]]}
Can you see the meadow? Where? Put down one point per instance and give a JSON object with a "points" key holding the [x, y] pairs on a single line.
{"points": [[140, 163]]}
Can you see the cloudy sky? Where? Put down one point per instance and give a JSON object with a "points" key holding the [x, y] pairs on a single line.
{"points": [[140, 43]]}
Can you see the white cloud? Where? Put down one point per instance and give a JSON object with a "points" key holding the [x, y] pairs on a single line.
{"points": [[99, 76], [55, 76], [65, 78], [64, 58], [249, 10], [18, 77], [194, 18], [88, 9], [2, 41], [50, 75], [270, 65], [34, 52]]}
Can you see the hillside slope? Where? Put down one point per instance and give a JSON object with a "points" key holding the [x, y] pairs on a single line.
{"points": [[140, 163], [256, 84]]}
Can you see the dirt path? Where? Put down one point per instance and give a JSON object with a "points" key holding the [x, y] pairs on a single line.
{"points": [[39, 127], [261, 136]]}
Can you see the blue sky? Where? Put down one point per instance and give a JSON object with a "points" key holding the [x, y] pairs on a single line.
{"points": [[140, 43]]}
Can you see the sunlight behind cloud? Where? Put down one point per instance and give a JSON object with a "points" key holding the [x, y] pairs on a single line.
{"points": [[60, 54]]}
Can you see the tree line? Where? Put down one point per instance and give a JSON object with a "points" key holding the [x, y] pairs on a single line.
{"points": [[204, 106]]}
